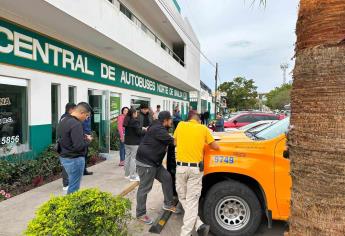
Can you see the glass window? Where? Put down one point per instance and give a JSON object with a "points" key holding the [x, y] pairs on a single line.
{"points": [[245, 119], [274, 130], [163, 45], [251, 126], [265, 117], [13, 116], [136, 102], [71, 94], [262, 127], [272, 118], [125, 11]]}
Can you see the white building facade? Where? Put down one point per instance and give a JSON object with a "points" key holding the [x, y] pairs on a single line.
{"points": [[109, 53], [203, 100]]}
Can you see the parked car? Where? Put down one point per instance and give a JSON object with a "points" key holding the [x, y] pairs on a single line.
{"points": [[259, 125], [243, 119], [248, 178]]}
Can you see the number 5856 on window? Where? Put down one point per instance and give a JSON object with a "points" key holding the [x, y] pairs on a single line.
{"points": [[9, 139]]}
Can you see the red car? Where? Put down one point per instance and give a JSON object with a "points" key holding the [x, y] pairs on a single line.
{"points": [[247, 118]]}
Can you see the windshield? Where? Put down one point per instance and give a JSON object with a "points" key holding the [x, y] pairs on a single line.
{"points": [[261, 127], [252, 125], [274, 130]]}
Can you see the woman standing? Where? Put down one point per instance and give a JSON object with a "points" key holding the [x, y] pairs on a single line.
{"points": [[121, 131], [133, 134]]}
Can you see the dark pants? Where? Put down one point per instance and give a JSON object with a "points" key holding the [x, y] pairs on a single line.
{"points": [[147, 176], [86, 159], [64, 177], [171, 166], [175, 124]]}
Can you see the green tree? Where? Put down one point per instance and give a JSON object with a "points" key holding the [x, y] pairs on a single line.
{"points": [[279, 97], [241, 93]]}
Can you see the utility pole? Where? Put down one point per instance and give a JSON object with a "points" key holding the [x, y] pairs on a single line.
{"points": [[284, 67], [216, 90]]}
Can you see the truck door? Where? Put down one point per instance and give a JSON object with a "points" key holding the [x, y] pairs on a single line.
{"points": [[282, 178]]}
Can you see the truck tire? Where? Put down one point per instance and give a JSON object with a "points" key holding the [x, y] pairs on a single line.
{"points": [[232, 209]]}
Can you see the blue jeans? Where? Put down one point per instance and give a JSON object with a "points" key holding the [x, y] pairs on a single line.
{"points": [[122, 151], [75, 169]]}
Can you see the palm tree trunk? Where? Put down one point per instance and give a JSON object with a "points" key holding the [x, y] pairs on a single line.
{"points": [[317, 141]]}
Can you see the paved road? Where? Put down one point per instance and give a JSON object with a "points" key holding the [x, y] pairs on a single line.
{"points": [[172, 228]]}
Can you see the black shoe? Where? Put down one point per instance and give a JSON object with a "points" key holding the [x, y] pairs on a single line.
{"points": [[88, 173], [203, 230]]}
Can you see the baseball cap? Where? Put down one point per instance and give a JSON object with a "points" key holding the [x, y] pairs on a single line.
{"points": [[164, 115]]}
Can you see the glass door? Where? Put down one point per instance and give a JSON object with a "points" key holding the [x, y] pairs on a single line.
{"points": [[136, 102], [54, 109], [99, 101]]}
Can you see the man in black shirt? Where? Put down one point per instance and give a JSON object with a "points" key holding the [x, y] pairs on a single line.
{"points": [[73, 144], [149, 158], [69, 108], [145, 117]]}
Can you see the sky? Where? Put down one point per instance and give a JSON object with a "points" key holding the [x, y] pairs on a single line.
{"points": [[245, 39]]}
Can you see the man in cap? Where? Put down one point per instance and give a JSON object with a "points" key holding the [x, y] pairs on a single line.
{"points": [[149, 160]]}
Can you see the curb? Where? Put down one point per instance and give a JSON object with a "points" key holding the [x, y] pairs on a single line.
{"points": [[129, 189]]}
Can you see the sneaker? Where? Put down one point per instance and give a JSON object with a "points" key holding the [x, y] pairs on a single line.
{"points": [[203, 230], [134, 179], [88, 173], [145, 219], [173, 209], [65, 188]]}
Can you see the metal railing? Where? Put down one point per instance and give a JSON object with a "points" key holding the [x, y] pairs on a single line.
{"points": [[123, 9]]}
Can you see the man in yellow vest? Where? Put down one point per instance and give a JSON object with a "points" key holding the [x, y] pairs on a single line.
{"points": [[190, 139]]}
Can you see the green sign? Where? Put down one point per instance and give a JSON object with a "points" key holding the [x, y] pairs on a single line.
{"points": [[23, 47]]}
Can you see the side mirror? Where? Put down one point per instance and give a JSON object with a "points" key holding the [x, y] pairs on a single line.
{"points": [[286, 154]]}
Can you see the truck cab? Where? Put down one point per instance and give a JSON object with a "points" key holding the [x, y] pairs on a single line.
{"points": [[249, 177]]}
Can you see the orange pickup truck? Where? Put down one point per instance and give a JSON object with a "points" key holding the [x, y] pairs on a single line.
{"points": [[248, 178]]}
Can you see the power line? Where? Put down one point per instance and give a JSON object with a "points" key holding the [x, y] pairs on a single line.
{"points": [[182, 28]]}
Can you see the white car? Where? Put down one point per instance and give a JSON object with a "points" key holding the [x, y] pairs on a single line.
{"points": [[255, 127]]}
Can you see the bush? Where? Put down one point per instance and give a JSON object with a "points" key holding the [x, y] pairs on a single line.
{"points": [[94, 146], [86, 212], [21, 172], [114, 137]]}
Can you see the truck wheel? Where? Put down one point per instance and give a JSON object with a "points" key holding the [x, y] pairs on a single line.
{"points": [[232, 209]]}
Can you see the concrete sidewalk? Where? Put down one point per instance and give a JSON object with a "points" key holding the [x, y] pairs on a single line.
{"points": [[16, 212]]}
